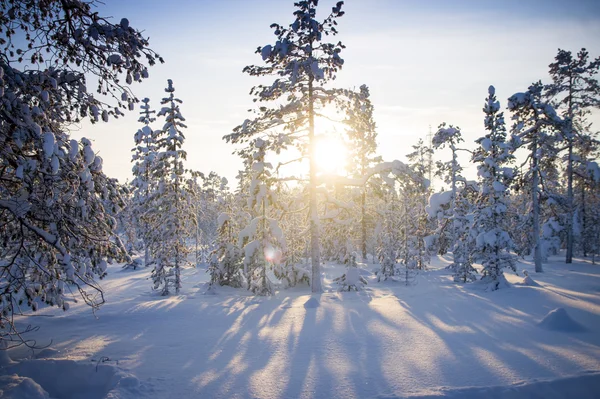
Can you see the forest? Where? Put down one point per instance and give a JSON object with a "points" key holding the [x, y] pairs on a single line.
{"points": [[314, 209]]}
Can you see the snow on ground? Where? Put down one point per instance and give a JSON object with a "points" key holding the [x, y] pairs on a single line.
{"points": [[432, 339]]}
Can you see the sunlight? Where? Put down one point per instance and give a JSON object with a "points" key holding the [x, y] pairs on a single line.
{"points": [[330, 154]]}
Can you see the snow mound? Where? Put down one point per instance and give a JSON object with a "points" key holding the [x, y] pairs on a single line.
{"points": [[311, 303], [67, 379], [16, 387], [47, 353], [559, 320], [529, 282]]}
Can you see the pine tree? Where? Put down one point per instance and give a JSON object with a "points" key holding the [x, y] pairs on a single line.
{"points": [[493, 242], [419, 193], [575, 90], [54, 196], [143, 158], [302, 63], [362, 146], [534, 127], [169, 204], [451, 171]]}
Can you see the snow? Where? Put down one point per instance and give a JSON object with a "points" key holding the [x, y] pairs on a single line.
{"points": [[431, 339], [436, 201], [222, 218], [559, 320], [48, 146], [16, 387]]}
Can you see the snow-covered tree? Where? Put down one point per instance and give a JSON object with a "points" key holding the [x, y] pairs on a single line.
{"points": [[362, 146], [170, 208], [389, 240], [226, 259], [418, 191], [492, 241], [574, 90], [144, 154], [263, 239], [351, 280], [534, 128], [293, 269], [450, 171], [302, 62], [462, 253], [57, 234]]}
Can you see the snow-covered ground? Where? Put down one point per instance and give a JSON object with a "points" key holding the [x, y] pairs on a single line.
{"points": [[432, 339]]}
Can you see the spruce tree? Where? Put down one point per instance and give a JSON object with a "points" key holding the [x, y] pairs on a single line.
{"points": [[144, 154], [362, 146], [169, 202], [493, 242]]}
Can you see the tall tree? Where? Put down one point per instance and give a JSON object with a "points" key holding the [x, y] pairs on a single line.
{"points": [[451, 136], [143, 157], [362, 146], [493, 242], [303, 63], [574, 90], [534, 128], [170, 208], [56, 229]]}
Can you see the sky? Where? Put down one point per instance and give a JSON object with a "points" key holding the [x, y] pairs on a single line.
{"points": [[425, 62]]}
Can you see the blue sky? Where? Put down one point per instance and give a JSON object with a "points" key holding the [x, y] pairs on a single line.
{"points": [[425, 62]]}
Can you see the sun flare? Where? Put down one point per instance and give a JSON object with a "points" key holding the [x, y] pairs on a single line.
{"points": [[330, 155]]}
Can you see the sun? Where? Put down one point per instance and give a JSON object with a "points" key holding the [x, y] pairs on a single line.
{"points": [[330, 154]]}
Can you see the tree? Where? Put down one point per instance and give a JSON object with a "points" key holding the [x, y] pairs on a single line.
{"points": [[362, 147], [462, 253], [170, 208], [493, 243], [574, 90], [263, 239], [57, 234], [302, 63], [451, 171], [226, 259], [419, 193], [144, 155], [534, 127]]}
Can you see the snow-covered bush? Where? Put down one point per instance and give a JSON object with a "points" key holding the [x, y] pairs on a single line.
{"points": [[226, 259], [351, 280]]}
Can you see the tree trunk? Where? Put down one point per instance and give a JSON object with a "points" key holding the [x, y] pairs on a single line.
{"points": [[535, 204], [453, 203], [314, 217], [569, 257], [364, 224]]}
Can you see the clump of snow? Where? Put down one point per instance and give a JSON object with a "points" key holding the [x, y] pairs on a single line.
{"points": [[311, 303], [436, 201], [559, 320], [17, 387], [530, 282], [68, 379]]}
